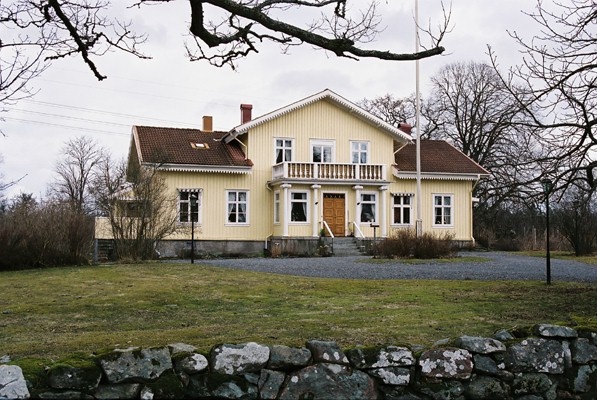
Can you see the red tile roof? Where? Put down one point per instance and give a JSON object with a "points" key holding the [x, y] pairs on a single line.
{"points": [[173, 146], [437, 156]]}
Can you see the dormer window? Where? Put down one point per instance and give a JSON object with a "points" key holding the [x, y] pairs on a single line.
{"points": [[199, 145]]}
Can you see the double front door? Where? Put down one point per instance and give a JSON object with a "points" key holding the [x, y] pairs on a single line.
{"points": [[334, 211]]}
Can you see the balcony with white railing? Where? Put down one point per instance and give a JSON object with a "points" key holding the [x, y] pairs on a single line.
{"points": [[329, 171]]}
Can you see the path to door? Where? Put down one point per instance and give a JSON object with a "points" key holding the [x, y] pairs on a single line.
{"points": [[496, 266]]}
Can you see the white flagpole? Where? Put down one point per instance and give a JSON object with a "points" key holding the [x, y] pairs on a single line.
{"points": [[419, 221]]}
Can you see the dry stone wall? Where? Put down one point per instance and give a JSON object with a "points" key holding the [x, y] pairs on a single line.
{"points": [[543, 362]]}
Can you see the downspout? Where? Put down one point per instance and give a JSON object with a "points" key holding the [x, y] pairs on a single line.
{"points": [[476, 183], [400, 148]]}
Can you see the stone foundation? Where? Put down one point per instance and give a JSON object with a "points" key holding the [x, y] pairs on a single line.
{"points": [[290, 246], [207, 248], [543, 362]]}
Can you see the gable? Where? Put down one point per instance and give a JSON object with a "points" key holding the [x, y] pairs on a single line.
{"points": [[332, 98]]}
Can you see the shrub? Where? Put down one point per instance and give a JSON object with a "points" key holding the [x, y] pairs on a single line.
{"points": [[404, 243], [36, 235], [398, 245]]}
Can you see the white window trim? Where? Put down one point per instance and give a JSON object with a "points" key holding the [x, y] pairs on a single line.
{"points": [[375, 207], [307, 201], [276, 148], [277, 203], [246, 223], [368, 152], [452, 208], [322, 142], [199, 192], [402, 206]]}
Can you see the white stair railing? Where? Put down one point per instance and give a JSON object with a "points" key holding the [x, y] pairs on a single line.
{"points": [[357, 230], [327, 228]]}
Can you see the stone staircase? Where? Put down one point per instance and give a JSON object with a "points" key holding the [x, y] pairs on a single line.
{"points": [[346, 246]]}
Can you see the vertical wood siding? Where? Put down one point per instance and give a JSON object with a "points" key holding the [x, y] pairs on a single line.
{"points": [[320, 120], [462, 209]]}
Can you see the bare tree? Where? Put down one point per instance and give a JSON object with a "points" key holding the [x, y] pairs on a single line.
{"points": [[81, 157], [559, 81], [139, 211], [471, 107], [394, 111], [80, 160], [17, 69], [575, 218]]}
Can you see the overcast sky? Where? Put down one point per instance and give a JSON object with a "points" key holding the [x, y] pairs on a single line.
{"points": [[169, 90]]}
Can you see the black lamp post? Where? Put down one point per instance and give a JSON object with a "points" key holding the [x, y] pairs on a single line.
{"points": [[547, 185], [192, 210], [576, 204]]}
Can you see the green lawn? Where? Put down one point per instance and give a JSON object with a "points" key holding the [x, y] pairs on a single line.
{"points": [[53, 313]]}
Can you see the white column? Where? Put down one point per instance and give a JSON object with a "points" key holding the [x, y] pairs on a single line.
{"points": [[315, 209], [357, 216], [384, 211], [286, 202]]}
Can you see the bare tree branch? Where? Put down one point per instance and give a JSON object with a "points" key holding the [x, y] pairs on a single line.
{"points": [[344, 33], [40, 31], [556, 86]]}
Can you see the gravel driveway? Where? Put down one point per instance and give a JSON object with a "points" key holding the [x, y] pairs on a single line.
{"points": [[496, 266]]}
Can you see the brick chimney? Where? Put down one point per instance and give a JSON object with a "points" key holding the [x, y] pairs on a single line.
{"points": [[406, 128], [245, 113], [207, 123]]}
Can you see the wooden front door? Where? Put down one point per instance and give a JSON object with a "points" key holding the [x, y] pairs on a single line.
{"points": [[334, 213]]}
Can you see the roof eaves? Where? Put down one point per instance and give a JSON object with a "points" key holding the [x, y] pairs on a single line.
{"points": [[226, 169], [469, 158], [439, 175]]}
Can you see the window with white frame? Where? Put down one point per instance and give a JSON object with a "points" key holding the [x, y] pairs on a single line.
{"points": [[299, 209], [237, 206], [368, 207], [277, 207], [443, 209], [283, 150], [322, 151], [189, 202], [359, 152], [402, 209]]}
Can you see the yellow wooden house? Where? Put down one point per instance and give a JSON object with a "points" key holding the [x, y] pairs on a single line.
{"points": [[319, 166]]}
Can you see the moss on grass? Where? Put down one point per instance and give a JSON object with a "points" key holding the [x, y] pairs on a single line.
{"points": [[61, 311], [34, 370]]}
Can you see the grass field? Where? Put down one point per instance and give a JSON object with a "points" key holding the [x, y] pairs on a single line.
{"points": [[563, 255], [53, 313]]}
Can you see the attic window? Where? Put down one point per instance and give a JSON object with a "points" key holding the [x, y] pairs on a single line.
{"points": [[198, 145]]}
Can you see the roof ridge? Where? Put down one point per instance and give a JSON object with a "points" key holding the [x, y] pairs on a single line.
{"points": [[178, 128]]}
